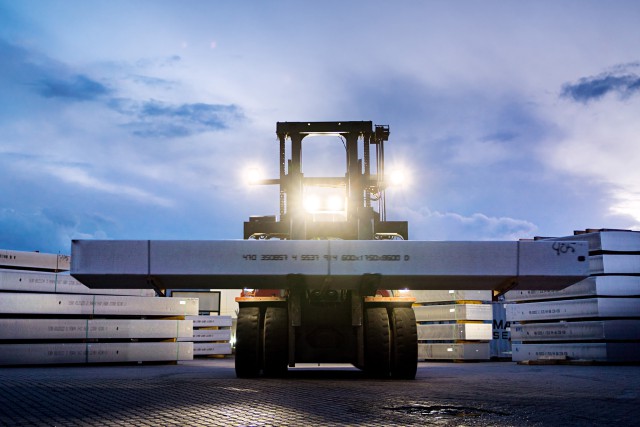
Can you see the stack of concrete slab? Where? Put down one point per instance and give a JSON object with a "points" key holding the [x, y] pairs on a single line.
{"points": [[453, 325], [211, 335], [597, 319], [48, 317]]}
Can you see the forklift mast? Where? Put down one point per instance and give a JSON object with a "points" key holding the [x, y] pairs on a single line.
{"points": [[362, 185]]}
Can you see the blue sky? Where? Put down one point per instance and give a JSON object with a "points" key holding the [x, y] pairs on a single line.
{"points": [[135, 119]]}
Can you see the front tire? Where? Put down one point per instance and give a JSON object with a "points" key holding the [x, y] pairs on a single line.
{"points": [[404, 350], [377, 339], [248, 343], [276, 341]]}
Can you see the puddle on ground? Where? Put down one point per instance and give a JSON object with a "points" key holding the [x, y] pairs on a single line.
{"points": [[436, 411]]}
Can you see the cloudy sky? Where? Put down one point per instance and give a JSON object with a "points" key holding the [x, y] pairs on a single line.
{"points": [[135, 119]]}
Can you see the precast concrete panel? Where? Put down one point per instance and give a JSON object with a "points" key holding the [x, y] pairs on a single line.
{"points": [[33, 260], [574, 309], [323, 264], [578, 331], [208, 335], [466, 351], [544, 265], [31, 281], [56, 329], [591, 286], [62, 304], [450, 296], [207, 348], [614, 264], [603, 352], [145, 351], [56, 353], [609, 241], [455, 331], [451, 312], [202, 321], [111, 263]]}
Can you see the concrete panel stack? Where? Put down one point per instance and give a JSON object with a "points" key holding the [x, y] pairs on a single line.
{"points": [[453, 325], [48, 317], [211, 335], [597, 319]]}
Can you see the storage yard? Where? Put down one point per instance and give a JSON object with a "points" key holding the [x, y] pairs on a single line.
{"points": [[336, 311]]}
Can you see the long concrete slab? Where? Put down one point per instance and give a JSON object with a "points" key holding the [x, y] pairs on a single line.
{"points": [[614, 264], [453, 312], [92, 305], [602, 352], [204, 335], [58, 329], [46, 282], [33, 260], [608, 240], [454, 351], [455, 332], [611, 286], [627, 329], [451, 295], [329, 264], [574, 309], [113, 352]]}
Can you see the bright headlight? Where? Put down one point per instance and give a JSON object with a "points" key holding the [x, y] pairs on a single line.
{"points": [[397, 178], [311, 203], [252, 175]]}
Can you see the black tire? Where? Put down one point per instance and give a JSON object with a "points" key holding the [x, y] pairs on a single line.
{"points": [[248, 343], [404, 347], [276, 341], [377, 342]]}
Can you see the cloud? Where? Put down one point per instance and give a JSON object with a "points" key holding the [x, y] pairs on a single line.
{"points": [[48, 230], [76, 88], [619, 81], [154, 118], [435, 225], [47, 78], [598, 141], [153, 81], [78, 176]]}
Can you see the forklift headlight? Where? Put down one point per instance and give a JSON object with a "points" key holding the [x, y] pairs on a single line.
{"points": [[311, 203]]}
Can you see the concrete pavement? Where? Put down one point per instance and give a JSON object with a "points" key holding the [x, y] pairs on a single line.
{"points": [[205, 392]]}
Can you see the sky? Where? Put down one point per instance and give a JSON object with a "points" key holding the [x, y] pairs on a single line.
{"points": [[136, 119]]}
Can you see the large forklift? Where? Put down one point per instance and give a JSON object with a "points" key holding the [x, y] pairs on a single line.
{"points": [[317, 278], [366, 326]]}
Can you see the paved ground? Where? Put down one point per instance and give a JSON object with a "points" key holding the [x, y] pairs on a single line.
{"points": [[206, 393]]}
